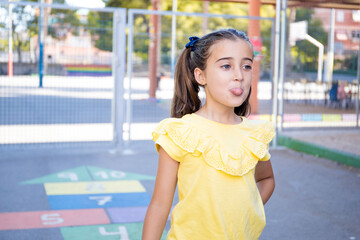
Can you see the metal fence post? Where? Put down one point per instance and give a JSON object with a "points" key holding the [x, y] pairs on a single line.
{"points": [[130, 45], [276, 68], [118, 72], [282, 63]]}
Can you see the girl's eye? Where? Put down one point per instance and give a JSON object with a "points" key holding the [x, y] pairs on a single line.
{"points": [[247, 67], [226, 66]]}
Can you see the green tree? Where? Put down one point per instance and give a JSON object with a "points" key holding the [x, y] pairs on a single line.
{"points": [[100, 27], [100, 23], [23, 27], [142, 4], [62, 21], [186, 25]]}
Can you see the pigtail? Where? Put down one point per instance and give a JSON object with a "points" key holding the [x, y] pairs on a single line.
{"points": [[186, 99]]}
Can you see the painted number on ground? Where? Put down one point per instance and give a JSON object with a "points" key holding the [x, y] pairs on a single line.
{"points": [[113, 174], [108, 200], [127, 231], [51, 219], [122, 233]]}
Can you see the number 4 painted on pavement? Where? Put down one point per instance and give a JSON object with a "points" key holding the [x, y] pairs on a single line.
{"points": [[72, 176], [122, 232]]}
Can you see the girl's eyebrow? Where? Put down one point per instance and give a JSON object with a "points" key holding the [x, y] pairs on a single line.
{"points": [[249, 59], [230, 58]]}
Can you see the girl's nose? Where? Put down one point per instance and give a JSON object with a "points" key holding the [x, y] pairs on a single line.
{"points": [[238, 74]]}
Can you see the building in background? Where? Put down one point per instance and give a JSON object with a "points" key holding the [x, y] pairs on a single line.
{"points": [[347, 30]]}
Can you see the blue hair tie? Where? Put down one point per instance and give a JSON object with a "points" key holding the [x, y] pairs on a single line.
{"points": [[193, 40]]}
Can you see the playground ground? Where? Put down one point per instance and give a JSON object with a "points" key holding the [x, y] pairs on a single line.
{"points": [[102, 194]]}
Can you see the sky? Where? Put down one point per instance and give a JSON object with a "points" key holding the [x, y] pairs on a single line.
{"points": [[87, 3]]}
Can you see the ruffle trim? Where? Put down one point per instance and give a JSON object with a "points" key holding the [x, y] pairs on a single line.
{"points": [[196, 142]]}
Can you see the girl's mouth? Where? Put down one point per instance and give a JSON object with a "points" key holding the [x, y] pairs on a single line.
{"points": [[236, 91]]}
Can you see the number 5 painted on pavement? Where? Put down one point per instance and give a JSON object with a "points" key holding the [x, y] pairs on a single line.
{"points": [[51, 219]]}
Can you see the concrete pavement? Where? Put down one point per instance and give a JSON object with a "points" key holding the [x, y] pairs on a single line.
{"points": [[101, 194], [314, 198]]}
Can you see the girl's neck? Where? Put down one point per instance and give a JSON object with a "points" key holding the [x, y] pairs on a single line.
{"points": [[225, 116]]}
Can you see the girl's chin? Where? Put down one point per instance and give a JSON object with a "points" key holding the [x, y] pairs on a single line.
{"points": [[237, 103]]}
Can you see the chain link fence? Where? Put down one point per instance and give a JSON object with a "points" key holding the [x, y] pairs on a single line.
{"points": [[62, 87], [68, 85]]}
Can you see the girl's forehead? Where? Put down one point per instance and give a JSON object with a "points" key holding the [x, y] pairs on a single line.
{"points": [[231, 48]]}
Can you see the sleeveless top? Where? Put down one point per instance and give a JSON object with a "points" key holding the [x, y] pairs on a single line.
{"points": [[218, 195]]}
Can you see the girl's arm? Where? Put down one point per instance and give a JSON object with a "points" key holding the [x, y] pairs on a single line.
{"points": [[161, 201], [264, 178]]}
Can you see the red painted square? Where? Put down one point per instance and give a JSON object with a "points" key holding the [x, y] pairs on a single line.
{"points": [[254, 117], [349, 117], [52, 219], [292, 118]]}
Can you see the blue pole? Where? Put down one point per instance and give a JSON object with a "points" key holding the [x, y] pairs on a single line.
{"points": [[41, 64], [41, 46]]}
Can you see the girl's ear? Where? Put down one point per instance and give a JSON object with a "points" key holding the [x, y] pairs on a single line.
{"points": [[199, 76]]}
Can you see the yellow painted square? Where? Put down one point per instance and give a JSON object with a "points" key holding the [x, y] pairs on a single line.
{"points": [[332, 117], [93, 187], [265, 117]]}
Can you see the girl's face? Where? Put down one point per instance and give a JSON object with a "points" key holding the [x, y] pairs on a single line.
{"points": [[228, 73]]}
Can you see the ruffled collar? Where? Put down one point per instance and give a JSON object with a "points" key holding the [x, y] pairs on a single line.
{"points": [[186, 134], [202, 120]]}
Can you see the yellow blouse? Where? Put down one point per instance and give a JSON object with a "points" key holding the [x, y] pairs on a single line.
{"points": [[218, 196]]}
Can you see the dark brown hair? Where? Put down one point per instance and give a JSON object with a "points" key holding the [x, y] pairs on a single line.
{"points": [[186, 99]]}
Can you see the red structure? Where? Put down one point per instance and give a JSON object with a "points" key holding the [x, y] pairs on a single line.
{"points": [[255, 37], [153, 49]]}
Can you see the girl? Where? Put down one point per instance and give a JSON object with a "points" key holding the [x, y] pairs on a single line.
{"points": [[212, 151]]}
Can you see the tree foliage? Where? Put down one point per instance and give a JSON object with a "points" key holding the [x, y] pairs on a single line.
{"points": [[63, 21], [23, 27], [101, 23], [186, 25]]}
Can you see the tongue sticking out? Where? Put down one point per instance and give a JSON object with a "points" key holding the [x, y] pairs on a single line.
{"points": [[236, 91]]}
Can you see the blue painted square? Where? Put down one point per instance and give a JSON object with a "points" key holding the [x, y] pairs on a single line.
{"points": [[312, 117], [83, 201]]}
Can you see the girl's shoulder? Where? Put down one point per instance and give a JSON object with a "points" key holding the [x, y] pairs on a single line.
{"points": [[179, 130], [177, 137], [259, 126]]}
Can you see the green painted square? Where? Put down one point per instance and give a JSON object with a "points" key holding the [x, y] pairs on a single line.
{"points": [[332, 117], [126, 231], [103, 174], [78, 174]]}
